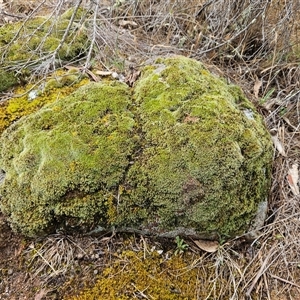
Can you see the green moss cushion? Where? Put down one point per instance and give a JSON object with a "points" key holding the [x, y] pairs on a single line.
{"points": [[32, 47], [67, 159], [7, 80], [181, 152]]}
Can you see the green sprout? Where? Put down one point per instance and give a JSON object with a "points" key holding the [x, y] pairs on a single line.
{"points": [[267, 96], [181, 246]]}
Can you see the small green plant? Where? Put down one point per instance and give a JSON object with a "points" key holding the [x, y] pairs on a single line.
{"points": [[267, 96], [118, 64], [181, 246], [283, 111]]}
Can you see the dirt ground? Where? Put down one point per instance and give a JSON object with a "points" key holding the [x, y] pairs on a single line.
{"points": [[76, 261]]}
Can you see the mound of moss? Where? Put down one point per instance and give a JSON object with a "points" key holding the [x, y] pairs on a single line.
{"points": [[121, 281], [206, 157], [66, 160], [31, 45], [180, 153], [7, 80]]}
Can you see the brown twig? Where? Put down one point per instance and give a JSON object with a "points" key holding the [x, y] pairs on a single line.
{"points": [[261, 271], [285, 281]]}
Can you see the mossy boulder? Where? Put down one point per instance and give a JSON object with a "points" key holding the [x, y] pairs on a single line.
{"points": [[29, 46], [182, 152]]}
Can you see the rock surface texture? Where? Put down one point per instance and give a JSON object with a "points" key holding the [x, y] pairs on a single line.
{"points": [[181, 152]]}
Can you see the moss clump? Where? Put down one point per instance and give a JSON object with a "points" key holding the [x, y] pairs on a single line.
{"points": [[7, 80], [30, 44], [184, 153], [65, 161], [206, 155], [43, 35], [159, 278], [25, 102]]}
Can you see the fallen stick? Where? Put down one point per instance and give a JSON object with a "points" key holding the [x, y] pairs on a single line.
{"points": [[285, 281], [261, 271]]}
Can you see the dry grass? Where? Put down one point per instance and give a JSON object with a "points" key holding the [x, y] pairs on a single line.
{"points": [[252, 43], [53, 256]]}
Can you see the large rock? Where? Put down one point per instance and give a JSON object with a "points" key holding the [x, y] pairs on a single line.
{"points": [[181, 153]]}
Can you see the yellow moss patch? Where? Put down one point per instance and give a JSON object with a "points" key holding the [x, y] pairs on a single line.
{"points": [[152, 277], [27, 102]]}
